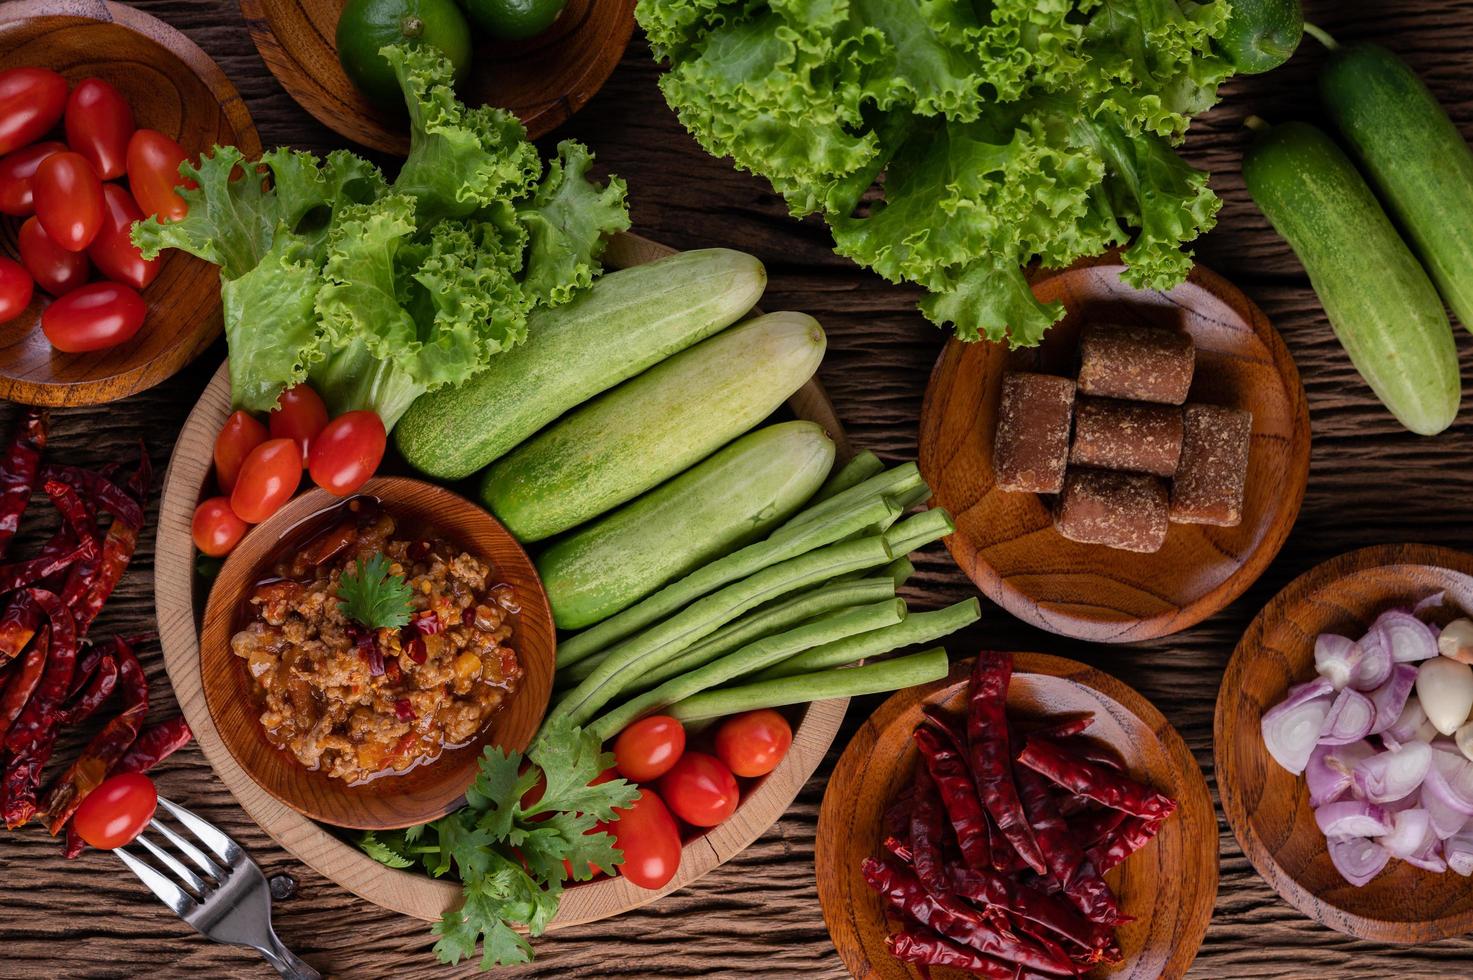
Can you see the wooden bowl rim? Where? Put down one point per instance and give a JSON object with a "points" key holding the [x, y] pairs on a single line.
{"points": [[1228, 722]]}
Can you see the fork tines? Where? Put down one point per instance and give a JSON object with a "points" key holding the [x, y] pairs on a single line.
{"points": [[177, 885]]}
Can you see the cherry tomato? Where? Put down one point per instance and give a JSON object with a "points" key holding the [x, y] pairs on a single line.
{"points": [[117, 811], [268, 478], [647, 749], [68, 199], [752, 744], [31, 101], [240, 434], [99, 123], [700, 789], [54, 268], [650, 840], [300, 415], [153, 173], [216, 529], [16, 289], [93, 317], [16, 171], [347, 452], [113, 251]]}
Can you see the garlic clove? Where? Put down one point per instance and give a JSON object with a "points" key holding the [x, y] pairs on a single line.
{"points": [[1456, 641], [1445, 688], [1464, 738]]}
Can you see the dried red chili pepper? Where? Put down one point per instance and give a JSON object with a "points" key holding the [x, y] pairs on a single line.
{"points": [[19, 574], [86, 702], [102, 491], [1049, 911], [1104, 786], [1130, 836], [31, 739], [83, 523], [923, 946], [926, 830], [89, 769], [989, 756], [22, 685], [1094, 827], [18, 472], [1064, 853], [1066, 727], [153, 745], [896, 818], [18, 625], [953, 781]]}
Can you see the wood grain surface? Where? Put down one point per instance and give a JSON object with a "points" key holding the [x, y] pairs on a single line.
{"points": [[758, 916]]}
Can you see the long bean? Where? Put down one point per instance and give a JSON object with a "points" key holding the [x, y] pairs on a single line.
{"points": [[915, 628], [887, 675], [900, 570], [864, 465], [922, 529], [893, 482], [752, 657]]}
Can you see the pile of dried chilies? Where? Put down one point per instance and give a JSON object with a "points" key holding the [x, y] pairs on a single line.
{"points": [[998, 848], [48, 681]]}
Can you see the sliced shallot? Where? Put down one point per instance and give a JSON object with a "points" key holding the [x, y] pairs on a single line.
{"points": [[1404, 729], [1292, 728], [1390, 699], [1350, 718], [1393, 774], [1407, 637], [1457, 850], [1336, 658], [1359, 859], [1352, 818], [1409, 830]]}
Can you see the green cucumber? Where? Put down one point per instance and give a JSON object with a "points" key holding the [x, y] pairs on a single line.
{"points": [[1413, 155], [711, 509], [652, 427], [1262, 34], [628, 321], [1379, 300]]}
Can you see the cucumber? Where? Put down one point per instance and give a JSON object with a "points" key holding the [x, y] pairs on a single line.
{"points": [[628, 321], [711, 509], [650, 428], [1415, 158], [1379, 300], [1262, 34]]}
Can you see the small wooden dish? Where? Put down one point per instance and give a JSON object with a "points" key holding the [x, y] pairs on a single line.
{"points": [[426, 791], [1007, 543], [175, 88], [543, 80], [1169, 886], [1267, 806]]}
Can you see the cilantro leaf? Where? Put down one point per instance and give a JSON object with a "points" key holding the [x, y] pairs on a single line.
{"points": [[571, 759], [373, 597], [386, 851]]}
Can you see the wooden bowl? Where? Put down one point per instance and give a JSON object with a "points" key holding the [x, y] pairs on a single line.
{"points": [[1007, 543], [543, 80], [1169, 886], [175, 88], [1267, 806], [426, 791]]}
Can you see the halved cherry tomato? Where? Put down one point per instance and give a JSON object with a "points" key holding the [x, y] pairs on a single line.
{"points": [[68, 199], [268, 478], [16, 171], [647, 749], [113, 251], [650, 840], [240, 434], [752, 744], [16, 289], [92, 317], [347, 452], [700, 790], [117, 811], [216, 529], [153, 173], [300, 415], [54, 268], [99, 123], [31, 101]]}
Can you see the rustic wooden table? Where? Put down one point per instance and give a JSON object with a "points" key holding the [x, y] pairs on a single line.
{"points": [[758, 916]]}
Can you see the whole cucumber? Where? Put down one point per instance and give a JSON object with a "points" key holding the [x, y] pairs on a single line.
{"points": [[1379, 300], [715, 507], [651, 427], [626, 322], [1414, 156], [1262, 34]]}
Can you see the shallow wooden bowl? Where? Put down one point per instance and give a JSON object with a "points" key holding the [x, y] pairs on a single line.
{"points": [[543, 80], [426, 791], [1169, 886], [1007, 543], [1268, 807], [175, 88]]}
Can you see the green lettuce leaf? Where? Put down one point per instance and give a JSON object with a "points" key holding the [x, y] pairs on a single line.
{"points": [[568, 221]]}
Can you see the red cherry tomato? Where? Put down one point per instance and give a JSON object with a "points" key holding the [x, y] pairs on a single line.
{"points": [[16, 171], [700, 790], [647, 749], [216, 529], [93, 317], [117, 811], [268, 478], [752, 744], [99, 122], [31, 101], [300, 415], [347, 452], [113, 251], [54, 268], [240, 434], [650, 840], [153, 173], [16, 288], [68, 199]]}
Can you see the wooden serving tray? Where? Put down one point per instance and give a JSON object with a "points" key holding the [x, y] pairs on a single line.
{"points": [[179, 608]]}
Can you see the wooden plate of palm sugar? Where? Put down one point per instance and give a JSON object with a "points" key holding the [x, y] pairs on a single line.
{"points": [[1135, 472]]}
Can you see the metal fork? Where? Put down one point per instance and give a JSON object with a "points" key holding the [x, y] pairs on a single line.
{"points": [[226, 900]]}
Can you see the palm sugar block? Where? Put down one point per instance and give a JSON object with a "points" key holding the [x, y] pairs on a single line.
{"points": [[1136, 362], [1117, 435], [1209, 483], [1115, 509], [1031, 445]]}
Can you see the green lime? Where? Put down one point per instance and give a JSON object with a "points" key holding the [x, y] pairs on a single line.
{"points": [[514, 20], [365, 26]]}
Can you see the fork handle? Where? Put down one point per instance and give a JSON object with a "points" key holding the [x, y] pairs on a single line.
{"points": [[287, 963]]}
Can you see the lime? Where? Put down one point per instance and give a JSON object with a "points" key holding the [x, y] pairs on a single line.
{"points": [[514, 20], [365, 26]]}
